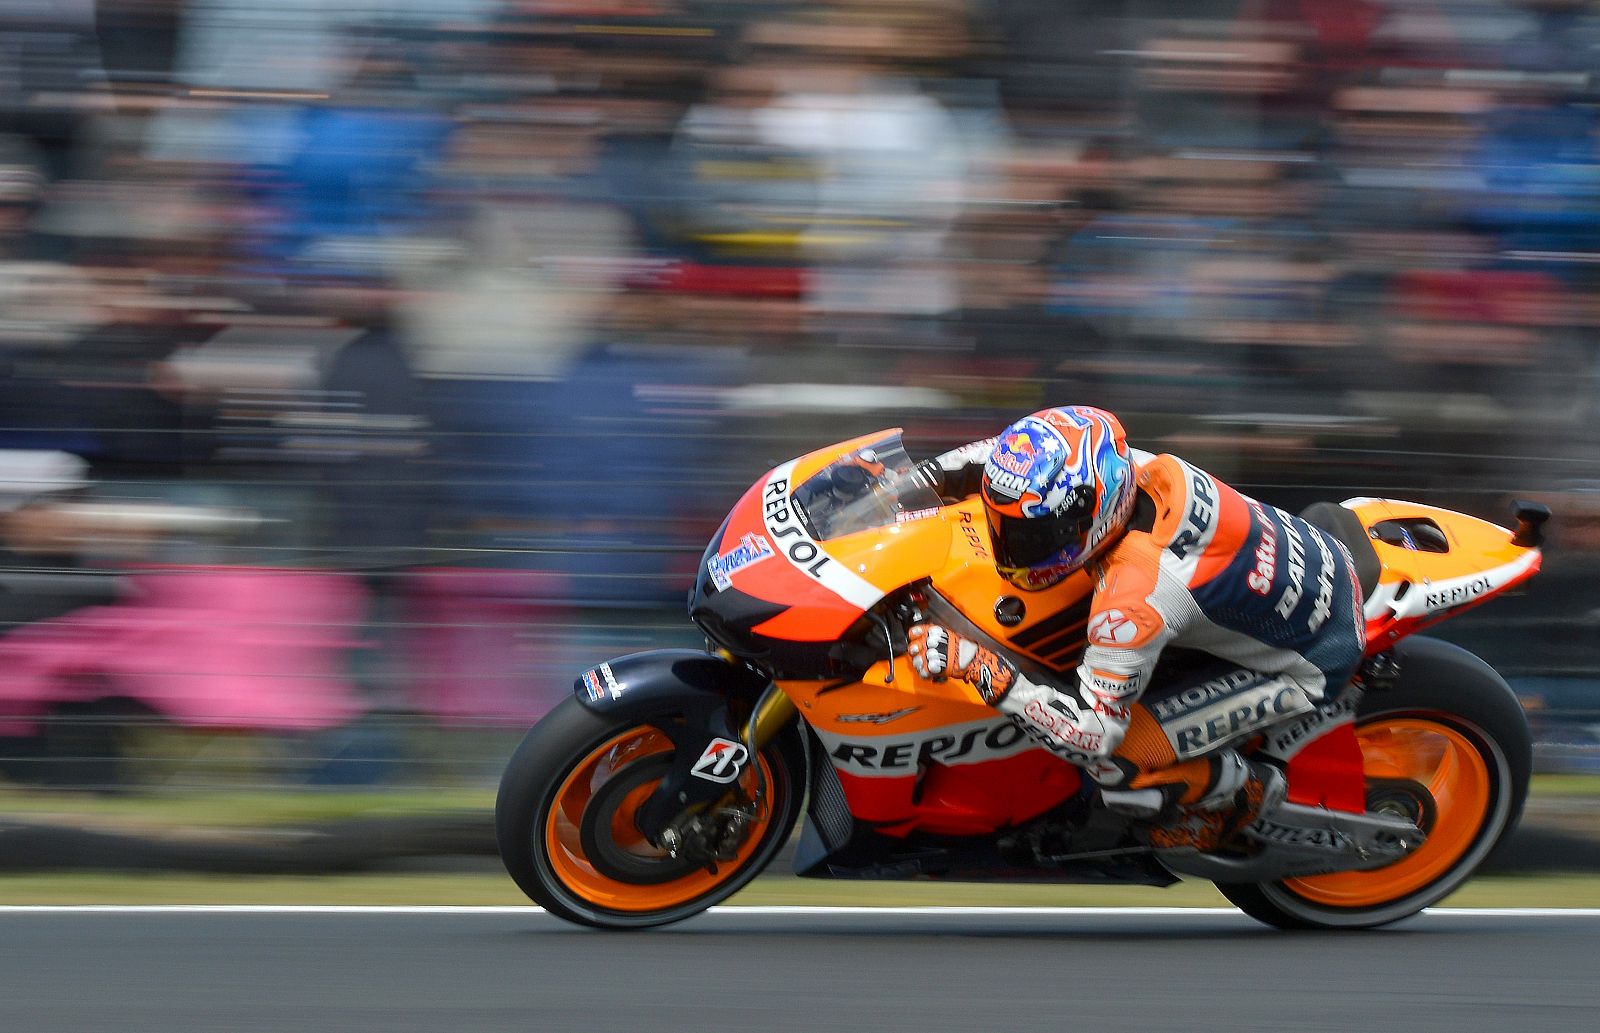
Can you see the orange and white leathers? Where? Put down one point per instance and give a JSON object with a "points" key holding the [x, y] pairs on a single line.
{"points": [[1201, 566]]}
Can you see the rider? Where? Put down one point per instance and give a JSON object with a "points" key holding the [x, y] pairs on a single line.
{"points": [[1271, 604]]}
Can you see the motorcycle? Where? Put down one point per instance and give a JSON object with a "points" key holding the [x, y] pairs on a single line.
{"points": [[671, 778]]}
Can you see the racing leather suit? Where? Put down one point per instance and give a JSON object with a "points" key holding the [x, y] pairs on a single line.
{"points": [[1270, 604]]}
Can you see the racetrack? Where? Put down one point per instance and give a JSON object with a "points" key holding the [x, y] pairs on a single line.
{"points": [[766, 970]]}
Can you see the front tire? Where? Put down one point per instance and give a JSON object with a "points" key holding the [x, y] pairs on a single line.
{"points": [[563, 820], [1448, 747]]}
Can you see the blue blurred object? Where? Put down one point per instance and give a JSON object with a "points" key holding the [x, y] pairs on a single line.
{"points": [[353, 173], [596, 464]]}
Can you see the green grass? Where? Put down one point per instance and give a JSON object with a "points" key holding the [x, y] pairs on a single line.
{"points": [[238, 809], [1565, 785], [491, 889], [245, 808]]}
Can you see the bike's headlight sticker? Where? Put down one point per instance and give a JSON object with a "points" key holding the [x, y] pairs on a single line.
{"points": [[752, 548]]}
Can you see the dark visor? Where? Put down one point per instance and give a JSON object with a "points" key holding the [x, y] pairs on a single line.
{"points": [[1028, 541]]}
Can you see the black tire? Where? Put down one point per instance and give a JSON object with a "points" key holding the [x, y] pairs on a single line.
{"points": [[556, 747], [1450, 687]]}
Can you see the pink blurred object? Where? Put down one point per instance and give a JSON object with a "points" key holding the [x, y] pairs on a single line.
{"points": [[473, 655], [212, 647]]}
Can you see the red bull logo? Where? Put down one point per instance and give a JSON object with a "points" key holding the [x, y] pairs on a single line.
{"points": [[1015, 454]]}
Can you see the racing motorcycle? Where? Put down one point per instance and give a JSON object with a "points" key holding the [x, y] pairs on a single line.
{"points": [[671, 778]]}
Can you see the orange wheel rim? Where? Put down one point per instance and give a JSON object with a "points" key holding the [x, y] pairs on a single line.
{"points": [[571, 863], [1446, 763]]}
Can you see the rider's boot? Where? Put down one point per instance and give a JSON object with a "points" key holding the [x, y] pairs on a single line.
{"points": [[1201, 803]]}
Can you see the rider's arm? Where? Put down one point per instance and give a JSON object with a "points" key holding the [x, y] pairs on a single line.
{"points": [[957, 473], [1083, 718]]}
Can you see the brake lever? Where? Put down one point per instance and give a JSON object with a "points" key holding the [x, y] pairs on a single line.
{"points": [[888, 640]]}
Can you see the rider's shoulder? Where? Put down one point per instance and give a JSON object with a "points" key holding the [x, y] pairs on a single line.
{"points": [[1167, 474], [1157, 472]]}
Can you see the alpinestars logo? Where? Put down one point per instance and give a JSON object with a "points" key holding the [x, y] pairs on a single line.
{"points": [[1113, 628], [722, 761]]}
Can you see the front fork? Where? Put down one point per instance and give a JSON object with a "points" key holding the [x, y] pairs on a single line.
{"points": [[701, 822], [771, 713]]}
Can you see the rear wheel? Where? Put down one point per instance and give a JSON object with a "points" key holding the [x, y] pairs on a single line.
{"points": [[1451, 758], [566, 821]]}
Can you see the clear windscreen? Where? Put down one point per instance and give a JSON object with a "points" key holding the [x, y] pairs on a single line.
{"points": [[867, 488]]}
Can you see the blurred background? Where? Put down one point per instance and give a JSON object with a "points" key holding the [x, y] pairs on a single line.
{"points": [[368, 368]]}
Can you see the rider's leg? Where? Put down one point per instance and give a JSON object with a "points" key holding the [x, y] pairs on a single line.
{"points": [[1149, 780], [1177, 766]]}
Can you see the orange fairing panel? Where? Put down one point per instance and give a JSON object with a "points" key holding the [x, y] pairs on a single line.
{"points": [[913, 755], [865, 567], [824, 585], [1422, 585], [878, 707], [1047, 626]]}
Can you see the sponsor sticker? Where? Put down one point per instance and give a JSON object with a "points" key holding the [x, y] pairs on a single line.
{"points": [[1305, 837], [752, 548], [1004, 483], [906, 516], [1199, 522], [1015, 454], [893, 756], [1112, 628], [722, 761], [596, 680], [788, 536], [975, 538], [1454, 593], [1231, 717], [881, 718], [1285, 742]]}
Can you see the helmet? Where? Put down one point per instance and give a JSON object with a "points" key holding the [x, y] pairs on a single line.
{"points": [[1058, 486]]}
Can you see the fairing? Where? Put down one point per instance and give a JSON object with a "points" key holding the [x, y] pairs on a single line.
{"points": [[781, 585], [1435, 564], [798, 565]]}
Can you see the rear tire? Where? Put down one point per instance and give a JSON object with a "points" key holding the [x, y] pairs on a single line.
{"points": [[563, 824], [1467, 738]]}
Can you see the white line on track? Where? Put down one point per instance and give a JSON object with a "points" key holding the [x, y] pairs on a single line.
{"points": [[735, 910]]}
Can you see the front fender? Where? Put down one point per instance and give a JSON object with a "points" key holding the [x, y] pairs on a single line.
{"points": [[685, 694], [636, 685]]}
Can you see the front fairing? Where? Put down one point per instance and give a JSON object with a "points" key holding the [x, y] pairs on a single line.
{"points": [[812, 546]]}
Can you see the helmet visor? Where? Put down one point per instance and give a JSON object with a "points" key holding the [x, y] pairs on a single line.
{"points": [[1030, 541]]}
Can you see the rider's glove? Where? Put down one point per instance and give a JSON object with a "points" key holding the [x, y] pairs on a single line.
{"points": [[938, 653], [954, 474]]}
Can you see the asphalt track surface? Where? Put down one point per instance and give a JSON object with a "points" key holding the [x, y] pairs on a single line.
{"points": [[765, 970]]}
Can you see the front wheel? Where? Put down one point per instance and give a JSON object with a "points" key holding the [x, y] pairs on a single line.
{"points": [[1455, 758], [565, 821]]}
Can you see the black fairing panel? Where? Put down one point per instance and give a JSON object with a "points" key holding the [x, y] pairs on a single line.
{"points": [[639, 683], [1347, 527], [729, 618]]}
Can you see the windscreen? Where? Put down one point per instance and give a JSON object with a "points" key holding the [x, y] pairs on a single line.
{"points": [[869, 487]]}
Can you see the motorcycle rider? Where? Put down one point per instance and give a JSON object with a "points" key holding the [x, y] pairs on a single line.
{"points": [[1271, 604]]}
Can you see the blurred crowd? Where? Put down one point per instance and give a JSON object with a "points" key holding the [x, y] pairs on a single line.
{"points": [[400, 355]]}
